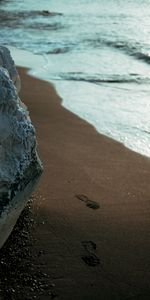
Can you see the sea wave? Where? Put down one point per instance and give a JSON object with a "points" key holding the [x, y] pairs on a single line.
{"points": [[99, 78], [44, 20], [42, 26], [59, 50], [18, 18], [134, 49]]}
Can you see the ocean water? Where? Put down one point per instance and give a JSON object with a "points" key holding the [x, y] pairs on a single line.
{"points": [[96, 52]]}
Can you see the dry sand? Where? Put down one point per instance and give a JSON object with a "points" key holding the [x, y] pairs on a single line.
{"points": [[86, 234]]}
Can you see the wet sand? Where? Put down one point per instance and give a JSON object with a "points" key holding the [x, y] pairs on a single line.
{"points": [[86, 233]]}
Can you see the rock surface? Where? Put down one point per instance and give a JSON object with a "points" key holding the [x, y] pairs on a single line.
{"points": [[20, 167]]}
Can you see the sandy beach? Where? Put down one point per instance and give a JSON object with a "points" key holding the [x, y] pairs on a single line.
{"points": [[86, 233]]}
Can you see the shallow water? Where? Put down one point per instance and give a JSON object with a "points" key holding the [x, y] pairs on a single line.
{"points": [[96, 52]]}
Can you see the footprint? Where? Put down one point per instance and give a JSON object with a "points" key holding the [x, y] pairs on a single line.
{"points": [[90, 203], [89, 245], [89, 257], [91, 260]]}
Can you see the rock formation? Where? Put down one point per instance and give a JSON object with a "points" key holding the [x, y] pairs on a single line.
{"points": [[20, 167]]}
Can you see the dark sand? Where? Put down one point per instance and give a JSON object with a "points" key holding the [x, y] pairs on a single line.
{"points": [[86, 233]]}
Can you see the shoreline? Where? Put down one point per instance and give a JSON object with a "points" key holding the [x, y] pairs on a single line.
{"points": [[90, 210], [34, 64]]}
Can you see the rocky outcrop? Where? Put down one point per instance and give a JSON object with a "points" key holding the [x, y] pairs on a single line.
{"points": [[20, 167]]}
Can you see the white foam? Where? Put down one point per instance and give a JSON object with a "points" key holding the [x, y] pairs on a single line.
{"points": [[26, 58]]}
